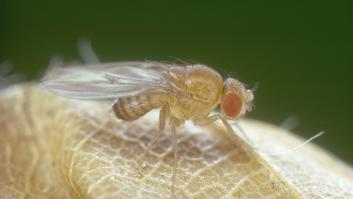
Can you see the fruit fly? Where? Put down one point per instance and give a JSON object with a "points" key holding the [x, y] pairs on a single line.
{"points": [[182, 92]]}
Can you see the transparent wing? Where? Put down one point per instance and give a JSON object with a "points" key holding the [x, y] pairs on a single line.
{"points": [[107, 81]]}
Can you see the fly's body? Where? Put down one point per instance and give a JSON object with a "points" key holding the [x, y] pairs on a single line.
{"points": [[132, 108], [198, 91], [182, 93]]}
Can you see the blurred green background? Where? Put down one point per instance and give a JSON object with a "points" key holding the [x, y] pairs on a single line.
{"points": [[300, 52]]}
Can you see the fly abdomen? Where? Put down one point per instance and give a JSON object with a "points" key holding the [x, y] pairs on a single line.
{"points": [[132, 107]]}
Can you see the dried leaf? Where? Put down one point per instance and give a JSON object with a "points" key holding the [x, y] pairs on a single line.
{"points": [[51, 147]]}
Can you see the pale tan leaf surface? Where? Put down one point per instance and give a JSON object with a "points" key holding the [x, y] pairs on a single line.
{"points": [[51, 147]]}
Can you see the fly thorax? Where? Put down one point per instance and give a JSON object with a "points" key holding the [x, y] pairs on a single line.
{"points": [[202, 89]]}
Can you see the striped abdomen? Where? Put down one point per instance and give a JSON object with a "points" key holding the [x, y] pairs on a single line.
{"points": [[133, 107]]}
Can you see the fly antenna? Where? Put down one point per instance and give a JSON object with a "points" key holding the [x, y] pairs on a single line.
{"points": [[255, 87]]}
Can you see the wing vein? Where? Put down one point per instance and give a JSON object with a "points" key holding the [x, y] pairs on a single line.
{"points": [[107, 81]]}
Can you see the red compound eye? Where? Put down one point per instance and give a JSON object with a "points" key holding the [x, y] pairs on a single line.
{"points": [[231, 105]]}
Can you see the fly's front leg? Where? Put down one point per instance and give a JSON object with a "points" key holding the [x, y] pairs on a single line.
{"points": [[230, 131], [163, 116], [243, 133]]}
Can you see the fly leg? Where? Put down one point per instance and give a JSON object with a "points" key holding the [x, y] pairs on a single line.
{"points": [[175, 153], [163, 115], [230, 132], [241, 130]]}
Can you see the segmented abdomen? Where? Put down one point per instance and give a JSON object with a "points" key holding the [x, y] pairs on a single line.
{"points": [[132, 107]]}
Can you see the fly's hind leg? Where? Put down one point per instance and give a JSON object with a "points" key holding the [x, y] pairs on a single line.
{"points": [[163, 116], [175, 154]]}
